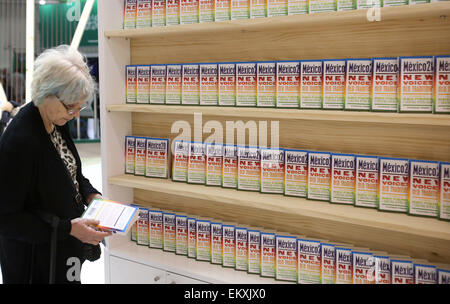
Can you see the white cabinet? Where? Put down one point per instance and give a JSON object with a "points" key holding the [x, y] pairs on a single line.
{"points": [[127, 272], [172, 278]]}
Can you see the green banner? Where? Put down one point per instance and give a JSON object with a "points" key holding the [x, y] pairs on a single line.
{"points": [[58, 23]]}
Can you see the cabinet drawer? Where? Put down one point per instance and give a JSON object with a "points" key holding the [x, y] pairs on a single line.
{"points": [[126, 272], [172, 278]]}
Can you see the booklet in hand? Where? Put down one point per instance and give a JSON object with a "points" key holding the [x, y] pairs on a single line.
{"points": [[113, 216]]}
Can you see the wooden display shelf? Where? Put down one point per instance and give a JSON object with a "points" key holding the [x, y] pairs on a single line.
{"points": [[290, 114], [402, 31], [419, 237], [414, 136]]}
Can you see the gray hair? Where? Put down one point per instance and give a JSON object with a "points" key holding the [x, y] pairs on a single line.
{"points": [[61, 72]]}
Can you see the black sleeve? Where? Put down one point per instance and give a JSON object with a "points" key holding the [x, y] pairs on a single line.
{"points": [[85, 187], [17, 220]]}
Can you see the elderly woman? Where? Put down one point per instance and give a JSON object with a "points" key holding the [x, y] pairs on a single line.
{"points": [[43, 192]]}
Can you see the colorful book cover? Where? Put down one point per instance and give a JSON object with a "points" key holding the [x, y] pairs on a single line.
{"points": [[172, 12], [222, 10], [228, 246], [240, 9], [319, 6], [144, 14], [208, 84], [196, 163], [268, 254], [180, 160], [362, 4], [216, 243], [230, 166], [425, 274], [344, 265], [192, 237], [214, 158], [311, 84], [393, 186], [297, 7], [345, 5], [402, 271], [130, 75], [203, 242], [309, 261], [266, 84], [277, 8], [241, 248], [423, 198], [386, 3], [366, 183], [181, 234], [173, 84], [382, 269], [254, 251], [358, 81], [158, 84], [142, 227], [249, 168], [416, 79], [286, 258], [143, 84], [227, 84], [296, 173], [158, 13], [441, 91], [156, 232], [288, 77], [383, 93], [319, 175], [190, 90], [258, 9], [140, 156], [363, 267], [333, 86], [444, 195], [272, 170], [129, 14], [246, 84], [169, 229], [189, 11], [130, 151], [342, 179], [328, 262], [206, 10], [157, 161]]}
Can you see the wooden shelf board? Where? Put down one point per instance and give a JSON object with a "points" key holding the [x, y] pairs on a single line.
{"points": [[324, 20], [378, 229], [290, 114]]}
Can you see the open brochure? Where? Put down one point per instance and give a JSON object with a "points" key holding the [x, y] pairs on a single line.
{"points": [[113, 216]]}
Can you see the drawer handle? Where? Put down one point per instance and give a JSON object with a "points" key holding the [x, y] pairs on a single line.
{"points": [[173, 282], [157, 278]]}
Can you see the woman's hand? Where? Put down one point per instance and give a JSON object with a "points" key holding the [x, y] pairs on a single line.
{"points": [[6, 106], [91, 196], [82, 230]]}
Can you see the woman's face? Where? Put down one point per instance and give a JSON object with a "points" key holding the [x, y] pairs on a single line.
{"points": [[58, 113]]}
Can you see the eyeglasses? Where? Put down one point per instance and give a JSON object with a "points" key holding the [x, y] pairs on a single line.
{"points": [[73, 111]]}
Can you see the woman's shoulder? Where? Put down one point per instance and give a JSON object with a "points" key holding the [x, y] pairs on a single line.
{"points": [[23, 132]]}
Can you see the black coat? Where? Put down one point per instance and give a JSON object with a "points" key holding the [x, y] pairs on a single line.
{"points": [[34, 178]]}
